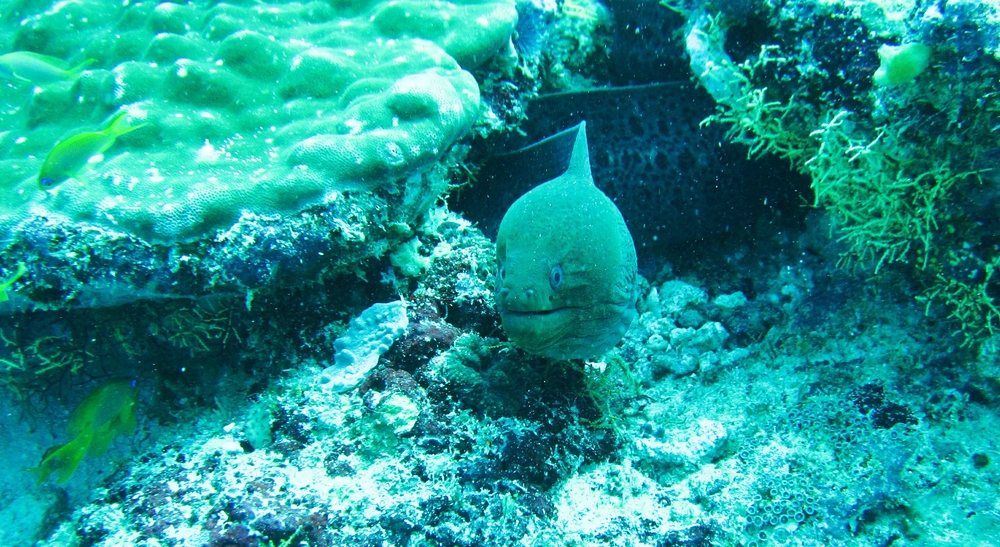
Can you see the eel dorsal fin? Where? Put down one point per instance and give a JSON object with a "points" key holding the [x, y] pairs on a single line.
{"points": [[579, 162], [506, 177]]}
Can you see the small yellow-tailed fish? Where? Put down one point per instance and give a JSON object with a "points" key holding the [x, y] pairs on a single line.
{"points": [[69, 156], [40, 69], [109, 411], [5, 284]]}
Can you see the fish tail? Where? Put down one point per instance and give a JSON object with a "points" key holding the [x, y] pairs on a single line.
{"points": [[68, 457], [119, 125], [6, 284], [41, 473], [72, 462], [76, 71]]}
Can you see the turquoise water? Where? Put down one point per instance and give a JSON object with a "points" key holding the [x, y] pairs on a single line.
{"points": [[249, 267]]}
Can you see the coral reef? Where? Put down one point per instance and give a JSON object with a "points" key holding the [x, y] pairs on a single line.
{"points": [[264, 109], [261, 124], [765, 395], [900, 154]]}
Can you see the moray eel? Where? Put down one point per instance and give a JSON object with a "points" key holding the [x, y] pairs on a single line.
{"points": [[566, 266]]}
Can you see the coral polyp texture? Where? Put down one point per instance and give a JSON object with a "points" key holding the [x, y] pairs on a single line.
{"points": [[266, 108]]}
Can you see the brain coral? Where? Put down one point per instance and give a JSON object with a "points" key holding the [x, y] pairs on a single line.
{"points": [[266, 107]]}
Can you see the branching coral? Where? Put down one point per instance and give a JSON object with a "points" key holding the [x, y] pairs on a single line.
{"points": [[970, 303], [760, 121], [884, 207], [896, 166]]}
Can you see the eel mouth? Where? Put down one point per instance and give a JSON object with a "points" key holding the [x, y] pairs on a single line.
{"points": [[531, 313], [538, 315]]}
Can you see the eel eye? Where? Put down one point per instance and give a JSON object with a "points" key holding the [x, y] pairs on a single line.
{"points": [[556, 277], [46, 182]]}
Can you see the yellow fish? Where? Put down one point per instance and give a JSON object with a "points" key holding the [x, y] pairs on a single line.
{"points": [[40, 69], [6, 284], [109, 411], [69, 156]]}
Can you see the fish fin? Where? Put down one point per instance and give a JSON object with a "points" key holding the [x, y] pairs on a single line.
{"points": [[129, 423], [119, 125], [130, 129], [41, 473], [6, 284], [74, 456], [62, 459], [117, 122], [579, 163], [46, 466], [102, 437], [76, 71]]}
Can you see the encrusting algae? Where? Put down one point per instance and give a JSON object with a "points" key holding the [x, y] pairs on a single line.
{"points": [[109, 411]]}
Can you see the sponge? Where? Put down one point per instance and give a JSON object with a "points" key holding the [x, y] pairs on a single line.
{"points": [[358, 350], [901, 64]]}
